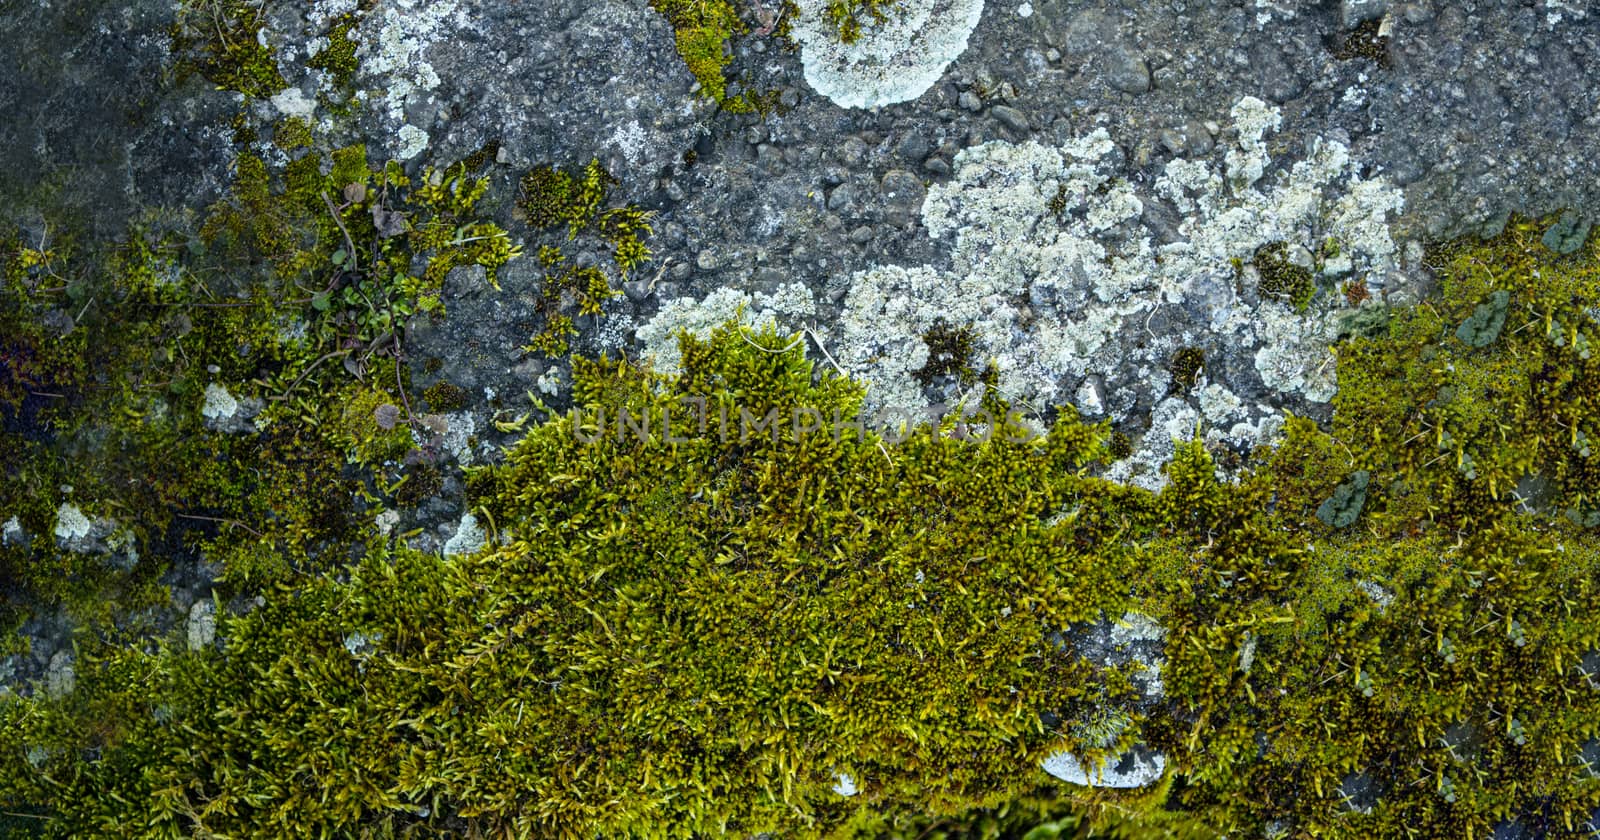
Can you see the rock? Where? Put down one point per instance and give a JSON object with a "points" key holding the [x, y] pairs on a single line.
{"points": [[637, 290], [712, 259], [201, 628], [902, 195], [1135, 768], [1353, 12], [62, 676], [1127, 72], [468, 538], [842, 199], [1011, 117], [969, 101], [914, 146]]}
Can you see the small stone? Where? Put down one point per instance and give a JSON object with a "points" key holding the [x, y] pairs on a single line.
{"points": [[1127, 72], [842, 199], [1353, 12], [969, 101], [853, 151], [469, 536], [903, 194], [1011, 117], [914, 146], [202, 625], [861, 235], [636, 290], [1052, 55], [937, 165], [711, 260], [62, 676]]}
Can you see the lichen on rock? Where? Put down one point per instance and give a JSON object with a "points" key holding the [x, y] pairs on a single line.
{"points": [[894, 60]]}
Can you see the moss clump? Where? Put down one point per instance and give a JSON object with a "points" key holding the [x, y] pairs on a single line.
{"points": [[1186, 366], [1364, 41], [1282, 280], [704, 31], [219, 39], [292, 294], [848, 16], [551, 197], [445, 396], [422, 482], [338, 58], [292, 133], [950, 352]]}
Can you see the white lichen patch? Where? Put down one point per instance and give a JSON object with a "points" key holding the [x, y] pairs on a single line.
{"points": [[395, 39], [292, 102], [11, 532], [1057, 274], [201, 628], [413, 142], [468, 538], [893, 61], [219, 404], [71, 524]]}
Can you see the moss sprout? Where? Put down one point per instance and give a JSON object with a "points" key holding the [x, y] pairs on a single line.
{"points": [[1186, 366], [1281, 279]]}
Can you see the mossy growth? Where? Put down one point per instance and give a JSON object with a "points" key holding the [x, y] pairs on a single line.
{"points": [[220, 40], [1483, 392], [445, 396], [1283, 280], [1366, 41], [551, 197], [338, 60], [291, 296], [772, 600], [704, 32], [848, 16], [1185, 369], [291, 133], [950, 352]]}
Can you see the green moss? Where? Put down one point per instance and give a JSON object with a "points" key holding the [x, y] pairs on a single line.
{"points": [[848, 16], [552, 197], [445, 396], [1281, 279], [771, 611], [704, 31], [219, 39], [1186, 366], [949, 354], [292, 133], [338, 58], [1364, 41]]}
